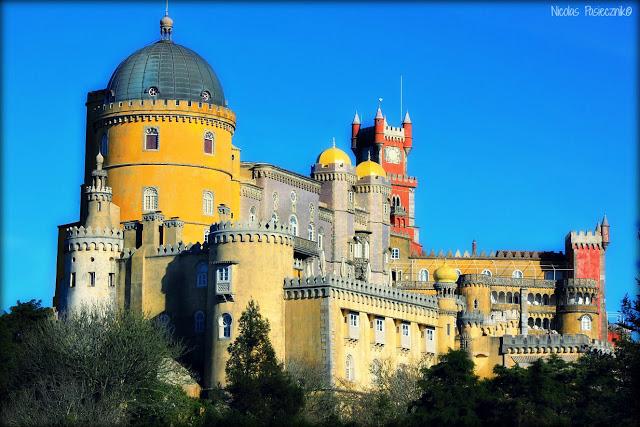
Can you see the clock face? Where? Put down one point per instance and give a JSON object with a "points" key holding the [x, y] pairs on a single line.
{"points": [[392, 155]]}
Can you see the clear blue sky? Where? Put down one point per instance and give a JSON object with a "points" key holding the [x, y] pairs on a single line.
{"points": [[524, 123]]}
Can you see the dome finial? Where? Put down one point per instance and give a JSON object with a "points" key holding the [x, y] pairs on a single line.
{"points": [[333, 141], [166, 24], [99, 161], [369, 155]]}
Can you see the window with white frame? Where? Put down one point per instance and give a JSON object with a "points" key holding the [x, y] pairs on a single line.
{"points": [[517, 274], [207, 202], [208, 142], [395, 253], [354, 319], [379, 324], [405, 329], [293, 225], [585, 323], [150, 199], [357, 250], [223, 274], [486, 272], [430, 335], [224, 326], [310, 232], [151, 139], [423, 276], [349, 368], [202, 271], [405, 336], [198, 322]]}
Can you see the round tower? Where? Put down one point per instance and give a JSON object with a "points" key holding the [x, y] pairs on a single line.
{"points": [[91, 250], [577, 308], [165, 131], [445, 284], [246, 262]]}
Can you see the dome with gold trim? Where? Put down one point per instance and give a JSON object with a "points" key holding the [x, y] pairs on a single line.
{"points": [[445, 274], [370, 168], [333, 155]]}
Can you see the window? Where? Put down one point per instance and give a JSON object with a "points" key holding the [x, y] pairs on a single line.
{"points": [[312, 211], [405, 338], [353, 320], [293, 225], [150, 199], [198, 322], [357, 250], [104, 144], [310, 233], [224, 326], [423, 276], [276, 200], [405, 329], [252, 214], [395, 253], [448, 329], [208, 142], [72, 280], [207, 203], [379, 324], [294, 197], [152, 91], [151, 140], [429, 334], [92, 278], [475, 304], [320, 241], [349, 368], [223, 274], [385, 209], [202, 271], [112, 280], [517, 274], [350, 198], [206, 234], [274, 218], [585, 323], [486, 272], [205, 95]]}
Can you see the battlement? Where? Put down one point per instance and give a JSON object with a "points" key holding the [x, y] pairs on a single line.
{"points": [[405, 180], [581, 284], [162, 105], [89, 239], [92, 189], [483, 279], [393, 133], [81, 231], [551, 344], [582, 239], [321, 287], [501, 254], [371, 184], [322, 175], [225, 232], [173, 250]]}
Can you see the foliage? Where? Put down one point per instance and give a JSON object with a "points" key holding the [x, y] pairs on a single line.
{"points": [[261, 392]]}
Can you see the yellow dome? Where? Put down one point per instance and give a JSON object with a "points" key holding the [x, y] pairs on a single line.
{"points": [[370, 168], [445, 274], [333, 155]]}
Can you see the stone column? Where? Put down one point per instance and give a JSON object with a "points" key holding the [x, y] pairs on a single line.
{"points": [[524, 311]]}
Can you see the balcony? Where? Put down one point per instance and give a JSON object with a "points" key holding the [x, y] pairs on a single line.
{"points": [[223, 290], [305, 247], [398, 211]]}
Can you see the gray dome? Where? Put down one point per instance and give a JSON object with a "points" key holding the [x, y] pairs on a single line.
{"points": [[169, 70]]}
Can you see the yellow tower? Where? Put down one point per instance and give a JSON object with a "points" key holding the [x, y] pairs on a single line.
{"points": [[165, 132], [445, 283]]}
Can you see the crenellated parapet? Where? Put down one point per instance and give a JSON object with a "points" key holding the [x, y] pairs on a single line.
{"points": [[264, 170], [585, 239], [485, 280], [338, 287], [330, 174], [501, 254], [536, 344], [87, 239], [367, 185], [177, 249], [237, 232]]}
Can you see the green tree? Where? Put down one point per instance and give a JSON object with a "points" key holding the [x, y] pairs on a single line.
{"points": [[450, 391], [260, 389]]}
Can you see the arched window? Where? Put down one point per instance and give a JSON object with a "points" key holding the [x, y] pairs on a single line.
{"points": [[151, 139], [349, 368], [517, 274], [366, 249], [208, 142], [104, 144], [423, 276], [274, 218], [150, 199], [538, 299], [224, 326], [276, 200], [530, 322], [502, 297], [202, 273], [545, 299], [509, 298], [198, 322], [587, 299], [293, 225], [310, 232], [486, 272], [312, 211], [494, 297], [294, 201], [207, 203], [545, 323], [252, 214], [585, 323]]}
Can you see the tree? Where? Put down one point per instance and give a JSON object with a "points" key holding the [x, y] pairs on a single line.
{"points": [[450, 393], [257, 383], [99, 365]]}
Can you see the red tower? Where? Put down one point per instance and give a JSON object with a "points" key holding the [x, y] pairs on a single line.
{"points": [[390, 146]]}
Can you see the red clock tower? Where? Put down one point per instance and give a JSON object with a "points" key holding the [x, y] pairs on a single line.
{"points": [[390, 146]]}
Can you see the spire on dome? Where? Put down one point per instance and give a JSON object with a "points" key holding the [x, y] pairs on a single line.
{"points": [[166, 24], [356, 119], [407, 119], [379, 112]]}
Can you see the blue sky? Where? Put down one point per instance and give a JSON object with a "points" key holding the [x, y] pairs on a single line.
{"points": [[524, 123]]}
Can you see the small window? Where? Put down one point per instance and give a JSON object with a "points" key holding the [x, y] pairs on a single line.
{"points": [[585, 323], [276, 200], [475, 304], [395, 253], [205, 237], [379, 324], [320, 241], [252, 214], [486, 272], [405, 329], [223, 274], [72, 280], [150, 199], [423, 276], [152, 91], [224, 326], [310, 232], [92, 278], [104, 144], [208, 142], [202, 271], [448, 329], [293, 225], [198, 322], [294, 197], [354, 319], [312, 211], [274, 218], [207, 203], [349, 368], [517, 274], [350, 197], [112, 280], [429, 334], [205, 95], [151, 141]]}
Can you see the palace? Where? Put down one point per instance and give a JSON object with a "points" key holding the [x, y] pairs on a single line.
{"points": [[173, 224]]}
